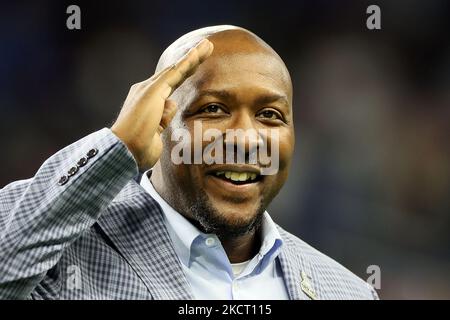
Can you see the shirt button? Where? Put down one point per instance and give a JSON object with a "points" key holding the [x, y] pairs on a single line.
{"points": [[82, 162], [210, 242], [235, 286], [92, 153], [72, 171], [63, 180]]}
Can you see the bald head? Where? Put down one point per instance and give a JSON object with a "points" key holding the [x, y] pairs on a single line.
{"points": [[182, 45], [227, 39]]}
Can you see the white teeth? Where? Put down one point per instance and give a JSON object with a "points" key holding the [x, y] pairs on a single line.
{"points": [[243, 176], [237, 176]]}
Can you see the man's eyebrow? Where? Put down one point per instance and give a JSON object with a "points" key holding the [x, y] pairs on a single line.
{"points": [[269, 98], [263, 99], [221, 94]]}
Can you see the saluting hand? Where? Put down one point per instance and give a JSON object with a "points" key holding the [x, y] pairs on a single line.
{"points": [[147, 111]]}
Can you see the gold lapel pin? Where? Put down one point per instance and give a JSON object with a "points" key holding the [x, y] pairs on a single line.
{"points": [[307, 287]]}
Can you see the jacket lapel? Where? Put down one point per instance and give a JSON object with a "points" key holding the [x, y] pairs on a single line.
{"points": [[135, 224]]}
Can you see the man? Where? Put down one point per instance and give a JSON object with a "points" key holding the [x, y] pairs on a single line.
{"points": [[88, 226]]}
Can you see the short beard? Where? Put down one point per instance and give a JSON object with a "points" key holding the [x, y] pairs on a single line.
{"points": [[212, 221]]}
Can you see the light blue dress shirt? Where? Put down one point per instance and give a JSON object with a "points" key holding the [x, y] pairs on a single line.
{"points": [[206, 264]]}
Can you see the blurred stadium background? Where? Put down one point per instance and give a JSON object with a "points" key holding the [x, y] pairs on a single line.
{"points": [[371, 176]]}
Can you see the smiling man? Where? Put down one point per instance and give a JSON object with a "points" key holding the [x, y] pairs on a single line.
{"points": [[88, 226]]}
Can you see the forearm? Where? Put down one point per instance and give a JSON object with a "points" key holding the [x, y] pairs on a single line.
{"points": [[40, 219]]}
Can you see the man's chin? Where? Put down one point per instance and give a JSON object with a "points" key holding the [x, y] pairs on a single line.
{"points": [[230, 219], [230, 228]]}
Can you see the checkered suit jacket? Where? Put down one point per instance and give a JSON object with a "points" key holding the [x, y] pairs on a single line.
{"points": [[101, 226]]}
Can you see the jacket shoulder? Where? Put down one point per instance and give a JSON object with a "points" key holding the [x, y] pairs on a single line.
{"points": [[332, 280]]}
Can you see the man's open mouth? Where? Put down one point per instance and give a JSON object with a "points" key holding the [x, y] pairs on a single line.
{"points": [[237, 178]]}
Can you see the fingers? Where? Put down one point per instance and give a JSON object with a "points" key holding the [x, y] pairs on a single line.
{"points": [[174, 76], [167, 80]]}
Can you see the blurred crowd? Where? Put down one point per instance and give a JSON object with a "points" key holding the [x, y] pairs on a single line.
{"points": [[370, 181]]}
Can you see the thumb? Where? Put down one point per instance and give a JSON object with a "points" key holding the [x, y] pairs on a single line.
{"points": [[170, 109]]}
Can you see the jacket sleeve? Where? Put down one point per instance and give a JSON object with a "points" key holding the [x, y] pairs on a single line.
{"points": [[42, 216]]}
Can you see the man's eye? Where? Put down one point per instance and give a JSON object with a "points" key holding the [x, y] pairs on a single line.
{"points": [[270, 115], [212, 108]]}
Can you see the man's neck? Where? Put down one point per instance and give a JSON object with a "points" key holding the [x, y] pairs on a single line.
{"points": [[242, 248], [238, 249]]}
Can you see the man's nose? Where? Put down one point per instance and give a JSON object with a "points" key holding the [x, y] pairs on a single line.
{"points": [[242, 136]]}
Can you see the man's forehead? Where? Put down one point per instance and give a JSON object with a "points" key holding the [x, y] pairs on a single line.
{"points": [[247, 70]]}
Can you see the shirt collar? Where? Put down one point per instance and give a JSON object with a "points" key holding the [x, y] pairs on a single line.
{"points": [[183, 233]]}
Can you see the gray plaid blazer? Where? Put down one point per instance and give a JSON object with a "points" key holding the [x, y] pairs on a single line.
{"points": [[97, 223]]}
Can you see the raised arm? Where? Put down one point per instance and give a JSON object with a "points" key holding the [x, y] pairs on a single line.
{"points": [[42, 216]]}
